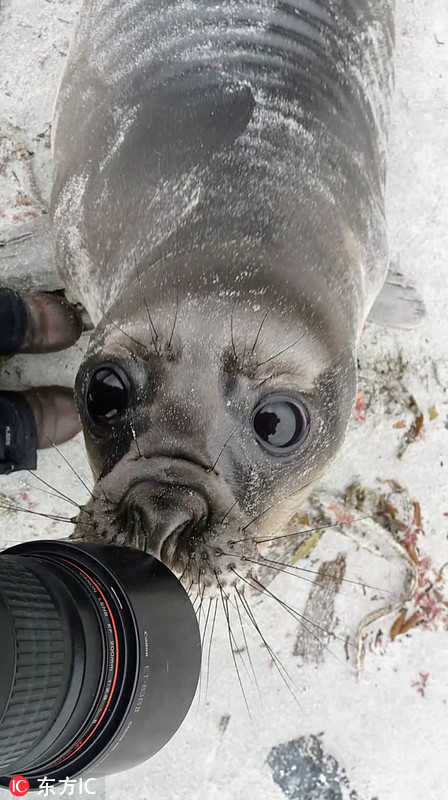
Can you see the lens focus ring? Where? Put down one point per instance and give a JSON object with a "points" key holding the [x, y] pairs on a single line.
{"points": [[40, 659]]}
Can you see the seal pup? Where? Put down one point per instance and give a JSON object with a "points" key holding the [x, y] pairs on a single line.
{"points": [[218, 208]]}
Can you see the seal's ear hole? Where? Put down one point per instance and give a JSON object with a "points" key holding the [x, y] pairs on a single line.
{"points": [[108, 394], [281, 423]]}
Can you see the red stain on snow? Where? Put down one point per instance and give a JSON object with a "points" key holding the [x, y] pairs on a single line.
{"points": [[25, 497], [429, 600], [360, 406], [24, 215], [341, 514], [421, 683]]}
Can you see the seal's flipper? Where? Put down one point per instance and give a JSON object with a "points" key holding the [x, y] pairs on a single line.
{"points": [[169, 131], [398, 305]]}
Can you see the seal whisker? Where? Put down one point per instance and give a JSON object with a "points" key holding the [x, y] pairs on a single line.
{"points": [[281, 669], [231, 332], [279, 565], [210, 469], [262, 513], [199, 609], [59, 494], [19, 509], [148, 313], [259, 330], [210, 647], [294, 533], [239, 650], [198, 580], [70, 466], [228, 512], [204, 633], [244, 354], [277, 569], [301, 618], [51, 494], [175, 318], [288, 347], [247, 647], [134, 436], [312, 530], [265, 380], [210, 601], [225, 606], [183, 572], [131, 338]]}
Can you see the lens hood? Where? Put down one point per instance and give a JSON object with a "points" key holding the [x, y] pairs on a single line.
{"points": [[100, 655]]}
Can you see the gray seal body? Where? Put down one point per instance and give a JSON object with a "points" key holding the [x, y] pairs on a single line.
{"points": [[218, 208]]}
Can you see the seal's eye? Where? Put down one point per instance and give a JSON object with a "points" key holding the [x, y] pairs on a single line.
{"points": [[280, 423], [107, 394]]}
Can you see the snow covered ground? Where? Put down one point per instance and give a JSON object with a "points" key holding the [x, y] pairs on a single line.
{"points": [[381, 735]]}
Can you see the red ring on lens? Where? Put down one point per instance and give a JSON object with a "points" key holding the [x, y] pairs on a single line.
{"points": [[81, 743]]}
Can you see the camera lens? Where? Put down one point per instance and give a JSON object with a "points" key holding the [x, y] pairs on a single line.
{"points": [[99, 659]]}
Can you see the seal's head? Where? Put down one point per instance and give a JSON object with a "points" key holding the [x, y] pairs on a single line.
{"points": [[208, 414]]}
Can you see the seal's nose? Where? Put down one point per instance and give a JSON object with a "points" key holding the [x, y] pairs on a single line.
{"points": [[165, 514]]}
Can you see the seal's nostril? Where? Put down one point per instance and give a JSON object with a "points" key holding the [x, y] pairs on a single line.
{"points": [[185, 530]]}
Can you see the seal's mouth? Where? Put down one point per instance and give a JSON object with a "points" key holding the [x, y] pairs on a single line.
{"points": [[188, 457], [178, 509]]}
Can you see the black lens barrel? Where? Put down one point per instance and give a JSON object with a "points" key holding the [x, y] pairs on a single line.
{"points": [[41, 655], [99, 659]]}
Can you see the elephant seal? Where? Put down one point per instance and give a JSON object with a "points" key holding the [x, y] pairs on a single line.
{"points": [[218, 208]]}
